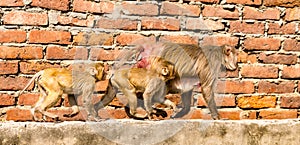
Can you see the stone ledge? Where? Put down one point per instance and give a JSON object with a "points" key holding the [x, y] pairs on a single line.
{"points": [[125, 131]]}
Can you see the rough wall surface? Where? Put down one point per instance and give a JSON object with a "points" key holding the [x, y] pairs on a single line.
{"points": [[38, 34], [112, 132]]}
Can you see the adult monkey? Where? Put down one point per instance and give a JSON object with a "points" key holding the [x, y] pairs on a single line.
{"points": [[53, 82], [193, 63]]}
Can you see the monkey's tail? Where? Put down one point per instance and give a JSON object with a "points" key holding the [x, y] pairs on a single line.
{"points": [[30, 82], [107, 98]]}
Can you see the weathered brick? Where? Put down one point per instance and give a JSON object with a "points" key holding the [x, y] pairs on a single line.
{"points": [[53, 4], [101, 54], [28, 99], [7, 100], [25, 18], [133, 39], [253, 13], [291, 45], [112, 113], [200, 24], [94, 7], [81, 116], [247, 102], [278, 58], [277, 114], [285, 3], [14, 83], [92, 38], [290, 101], [252, 71], [21, 52], [34, 67], [229, 74], [262, 44], [235, 87], [11, 3], [8, 36], [169, 8], [64, 20], [245, 2], [56, 52], [101, 86], [223, 101], [291, 72], [45, 36], [179, 39], [18, 115], [8, 67], [160, 24], [247, 58], [220, 40], [281, 87], [292, 14], [134, 8], [219, 11], [124, 24], [289, 28], [248, 28], [204, 1], [224, 114]]}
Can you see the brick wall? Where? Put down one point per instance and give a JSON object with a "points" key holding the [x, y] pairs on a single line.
{"points": [[38, 34]]}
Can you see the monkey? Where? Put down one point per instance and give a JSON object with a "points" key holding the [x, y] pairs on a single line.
{"points": [[192, 64], [53, 82], [151, 81]]}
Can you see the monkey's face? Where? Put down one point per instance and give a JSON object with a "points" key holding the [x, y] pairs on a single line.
{"points": [[230, 57]]}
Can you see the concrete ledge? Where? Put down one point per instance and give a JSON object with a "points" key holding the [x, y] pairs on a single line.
{"points": [[184, 132]]}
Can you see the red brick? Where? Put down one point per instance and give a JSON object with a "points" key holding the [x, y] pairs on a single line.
{"points": [[285, 3], [21, 52], [179, 39], [278, 58], [253, 13], [34, 67], [277, 114], [11, 3], [291, 45], [8, 36], [252, 71], [25, 18], [93, 7], [229, 74], [247, 58], [8, 67], [204, 1], [18, 115], [291, 72], [169, 8], [7, 100], [200, 24], [64, 20], [134, 8], [289, 28], [247, 102], [223, 101], [133, 39], [124, 24], [219, 11], [45, 36], [105, 55], [28, 99], [224, 114], [14, 83], [281, 87], [112, 113], [245, 2], [292, 14], [53, 4], [220, 40], [56, 52], [235, 87], [262, 44], [160, 24], [92, 38], [292, 102], [248, 28], [101, 86]]}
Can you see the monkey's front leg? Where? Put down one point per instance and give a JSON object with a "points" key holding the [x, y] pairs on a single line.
{"points": [[148, 105], [87, 103]]}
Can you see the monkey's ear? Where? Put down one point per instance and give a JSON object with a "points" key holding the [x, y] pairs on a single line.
{"points": [[227, 50], [92, 71], [164, 71]]}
